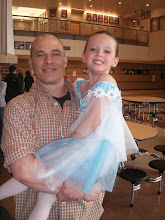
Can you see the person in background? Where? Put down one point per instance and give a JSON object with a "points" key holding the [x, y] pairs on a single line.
{"points": [[14, 85], [4, 214], [3, 86], [20, 76], [28, 81]]}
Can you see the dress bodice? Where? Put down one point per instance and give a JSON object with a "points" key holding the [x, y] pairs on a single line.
{"points": [[99, 90]]}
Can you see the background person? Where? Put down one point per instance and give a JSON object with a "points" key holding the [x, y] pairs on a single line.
{"points": [[14, 85], [28, 81], [3, 86], [20, 76]]}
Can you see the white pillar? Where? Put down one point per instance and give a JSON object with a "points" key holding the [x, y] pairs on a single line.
{"points": [[6, 33]]}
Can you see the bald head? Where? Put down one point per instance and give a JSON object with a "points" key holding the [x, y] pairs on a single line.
{"points": [[43, 38]]}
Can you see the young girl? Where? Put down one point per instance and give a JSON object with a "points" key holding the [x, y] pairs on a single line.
{"points": [[98, 140]]}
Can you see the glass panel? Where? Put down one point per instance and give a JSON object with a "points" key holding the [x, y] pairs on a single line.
{"points": [[162, 23], [154, 24]]}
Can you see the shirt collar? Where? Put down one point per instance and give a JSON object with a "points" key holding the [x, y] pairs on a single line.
{"points": [[46, 92]]}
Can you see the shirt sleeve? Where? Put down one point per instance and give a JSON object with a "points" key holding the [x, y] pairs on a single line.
{"points": [[18, 138]]}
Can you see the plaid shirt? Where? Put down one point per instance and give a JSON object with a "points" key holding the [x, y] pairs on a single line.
{"points": [[31, 121]]}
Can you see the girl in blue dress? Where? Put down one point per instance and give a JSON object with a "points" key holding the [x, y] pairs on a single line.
{"points": [[98, 139]]}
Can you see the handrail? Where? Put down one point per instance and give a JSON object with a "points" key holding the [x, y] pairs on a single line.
{"points": [[65, 26]]}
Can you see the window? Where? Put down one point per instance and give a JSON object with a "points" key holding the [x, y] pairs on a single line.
{"points": [[158, 24]]}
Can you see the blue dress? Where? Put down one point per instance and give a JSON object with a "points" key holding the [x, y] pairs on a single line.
{"points": [[90, 161]]}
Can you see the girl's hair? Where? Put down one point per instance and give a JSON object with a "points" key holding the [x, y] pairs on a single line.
{"points": [[108, 34]]}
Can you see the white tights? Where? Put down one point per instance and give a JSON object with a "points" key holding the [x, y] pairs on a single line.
{"points": [[44, 200]]}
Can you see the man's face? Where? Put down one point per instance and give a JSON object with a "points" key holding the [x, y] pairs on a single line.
{"points": [[48, 60]]}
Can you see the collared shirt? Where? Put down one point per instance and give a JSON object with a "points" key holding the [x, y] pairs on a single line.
{"points": [[31, 121]]}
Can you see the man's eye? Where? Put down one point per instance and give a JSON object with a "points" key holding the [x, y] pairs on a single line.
{"points": [[40, 55], [92, 49], [107, 51], [56, 54]]}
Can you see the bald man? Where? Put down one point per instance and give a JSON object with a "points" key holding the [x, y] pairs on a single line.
{"points": [[37, 118]]}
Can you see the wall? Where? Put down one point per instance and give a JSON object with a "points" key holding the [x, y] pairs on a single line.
{"points": [[154, 80], [157, 45], [126, 52]]}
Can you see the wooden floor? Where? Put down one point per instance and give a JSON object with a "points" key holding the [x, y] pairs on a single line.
{"points": [[148, 205]]}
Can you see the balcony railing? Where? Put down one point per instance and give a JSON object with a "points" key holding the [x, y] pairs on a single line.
{"points": [[124, 35]]}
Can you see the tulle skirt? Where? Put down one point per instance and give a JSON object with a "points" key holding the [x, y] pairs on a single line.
{"points": [[82, 163]]}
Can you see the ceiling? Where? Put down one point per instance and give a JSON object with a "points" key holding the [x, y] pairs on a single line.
{"points": [[127, 8]]}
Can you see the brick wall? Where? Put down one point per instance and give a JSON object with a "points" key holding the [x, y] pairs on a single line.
{"points": [[4, 69]]}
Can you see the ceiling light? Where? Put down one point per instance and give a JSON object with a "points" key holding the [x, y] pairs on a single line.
{"points": [[119, 3], [147, 4], [91, 6], [60, 3], [41, 11]]}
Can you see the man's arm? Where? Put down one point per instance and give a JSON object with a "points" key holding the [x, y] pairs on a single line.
{"points": [[23, 170]]}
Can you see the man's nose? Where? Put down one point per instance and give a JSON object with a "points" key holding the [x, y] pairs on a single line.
{"points": [[48, 59]]}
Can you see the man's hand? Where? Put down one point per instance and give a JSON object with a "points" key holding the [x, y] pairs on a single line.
{"points": [[69, 193], [92, 196]]}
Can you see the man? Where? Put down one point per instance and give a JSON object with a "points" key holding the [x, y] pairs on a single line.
{"points": [[14, 85], [37, 118]]}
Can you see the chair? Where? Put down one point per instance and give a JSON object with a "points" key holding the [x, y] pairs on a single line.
{"points": [[160, 117], [161, 148], [134, 176], [160, 166]]}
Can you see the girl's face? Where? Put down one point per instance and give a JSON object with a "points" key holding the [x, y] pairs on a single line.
{"points": [[100, 54]]}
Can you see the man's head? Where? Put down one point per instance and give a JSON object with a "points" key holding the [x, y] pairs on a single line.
{"points": [[12, 69], [48, 59]]}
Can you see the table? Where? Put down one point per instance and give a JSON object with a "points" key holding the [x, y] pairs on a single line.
{"points": [[144, 100], [142, 132]]}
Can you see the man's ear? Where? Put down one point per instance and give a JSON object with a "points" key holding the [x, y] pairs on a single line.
{"points": [[115, 62], [65, 62], [83, 58]]}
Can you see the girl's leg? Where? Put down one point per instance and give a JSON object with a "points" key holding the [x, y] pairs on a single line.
{"points": [[11, 188], [43, 206]]}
